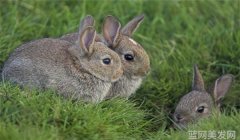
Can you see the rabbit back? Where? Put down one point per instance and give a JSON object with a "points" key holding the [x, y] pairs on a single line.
{"points": [[45, 64], [34, 62]]}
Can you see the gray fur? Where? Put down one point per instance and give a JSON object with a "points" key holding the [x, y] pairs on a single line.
{"points": [[50, 64], [133, 71], [124, 87], [72, 37], [119, 41], [189, 106]]}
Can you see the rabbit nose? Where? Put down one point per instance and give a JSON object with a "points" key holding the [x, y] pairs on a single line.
{"points": [[178, 117]]}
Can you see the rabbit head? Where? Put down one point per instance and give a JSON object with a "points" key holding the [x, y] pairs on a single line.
{"points": [[134, 58], [198, 103], [94, 57]]}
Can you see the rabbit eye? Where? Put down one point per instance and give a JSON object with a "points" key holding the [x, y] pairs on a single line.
{"points": [[200, 109], [128, 57], [106, 61]]}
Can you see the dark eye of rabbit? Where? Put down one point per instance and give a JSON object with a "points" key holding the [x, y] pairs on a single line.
{"points": [[106, 61], [128, 57], [200, 109]]}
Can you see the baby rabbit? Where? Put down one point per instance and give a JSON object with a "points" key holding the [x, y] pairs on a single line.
{"points": [[198, 103], [135, 61], [82, 70], [134, 58]]}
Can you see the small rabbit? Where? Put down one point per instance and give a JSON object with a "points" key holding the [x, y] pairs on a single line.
{"points": [[134, 58], [82, 70], [198, 103]]}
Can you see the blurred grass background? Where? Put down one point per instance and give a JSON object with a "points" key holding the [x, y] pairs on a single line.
{"points": [[176, 34]]}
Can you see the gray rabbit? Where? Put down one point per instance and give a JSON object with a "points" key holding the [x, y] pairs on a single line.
{"points": [[135, 61], [82, 70], [198, 103]]}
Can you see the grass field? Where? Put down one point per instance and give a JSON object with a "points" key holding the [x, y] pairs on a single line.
{"points": [[176, 34]]}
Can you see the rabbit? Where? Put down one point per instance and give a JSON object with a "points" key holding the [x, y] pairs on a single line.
{"points": [[198, 103], [135, 60], [80, 71]]}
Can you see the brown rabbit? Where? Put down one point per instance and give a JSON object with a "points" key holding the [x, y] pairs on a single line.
{"points": [[198, 103], [134, 58], [82, 70]]}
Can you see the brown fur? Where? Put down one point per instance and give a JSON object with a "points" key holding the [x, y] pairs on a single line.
{"points": [[122, 43], [119, 39], [74, 70], [190, 104]]}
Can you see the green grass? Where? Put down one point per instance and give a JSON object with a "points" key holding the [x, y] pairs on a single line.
{"points": [[29, 114], [176, 34]]}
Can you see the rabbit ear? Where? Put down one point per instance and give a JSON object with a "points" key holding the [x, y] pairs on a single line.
{"points": [[86, 39], [197, 83], [132, 25], [87, 21], [111, 28], [221, 87]]}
